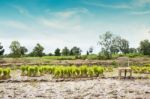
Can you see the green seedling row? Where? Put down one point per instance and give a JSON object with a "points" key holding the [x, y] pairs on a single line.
{"points": [[140, 69], [65, 71], [5, 73]]}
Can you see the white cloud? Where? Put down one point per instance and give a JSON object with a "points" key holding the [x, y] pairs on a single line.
{"points": [[22, 11], [67, 20], [60, 24], [71, 12], [131, 5], [140, 3], [115, 6], [14, 24], [140, 12]]}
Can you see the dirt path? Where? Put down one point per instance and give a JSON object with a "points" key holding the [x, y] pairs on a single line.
{"points": [[90, 89]]}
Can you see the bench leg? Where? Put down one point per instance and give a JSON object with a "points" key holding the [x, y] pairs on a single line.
{"points": [[125, 73]]}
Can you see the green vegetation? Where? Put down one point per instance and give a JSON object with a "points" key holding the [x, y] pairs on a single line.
{"points": [[57, 52], [141, 69], [112, 47], [16, 49], [65, 71], [1, 50], [5, 73], [37, 51]]}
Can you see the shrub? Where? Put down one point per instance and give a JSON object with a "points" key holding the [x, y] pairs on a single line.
{"points": [[114, 63]]}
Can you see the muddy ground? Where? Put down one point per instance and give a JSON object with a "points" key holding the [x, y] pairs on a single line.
{"points": [[89, 89]]}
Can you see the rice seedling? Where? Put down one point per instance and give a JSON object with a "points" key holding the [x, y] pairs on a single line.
{"points": [[41, 71], [140, 69], [6, 73], [83, 70], [90, 72], [33, 71], [63, 71], [108, 69], [58, 73], [24, 70], [1, 71]]}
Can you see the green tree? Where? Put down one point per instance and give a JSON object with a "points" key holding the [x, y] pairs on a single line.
{"points": [[124, 46], [111, 44], [1, 50], [76, 51], [57, 52], [38, 50], [90, 50], [15, 48], [133, 50], [115, 45], [23, 50], [145, 47], [106, 44], [87, 52], [65, 51]]}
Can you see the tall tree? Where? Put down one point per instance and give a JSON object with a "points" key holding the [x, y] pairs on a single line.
{"points": [[1, 50], [75, 51], [124, 46], [23, 50], [90, 50], [145, 47], [15, 48], [57, 52], [38, 50], [115, 44], [133, 50], [65, 51], [106, 43]]}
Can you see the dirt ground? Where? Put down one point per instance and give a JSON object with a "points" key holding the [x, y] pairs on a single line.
{"points": [[89, 89]]}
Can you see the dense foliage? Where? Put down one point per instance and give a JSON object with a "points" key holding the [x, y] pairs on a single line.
{"points": [[37, 51], [65, 71], [1, 50]]}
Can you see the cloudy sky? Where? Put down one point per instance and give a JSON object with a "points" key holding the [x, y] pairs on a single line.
{"points": [[59, 23]]}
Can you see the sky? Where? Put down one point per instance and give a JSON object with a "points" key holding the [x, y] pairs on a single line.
{"points": [[59, 23]]}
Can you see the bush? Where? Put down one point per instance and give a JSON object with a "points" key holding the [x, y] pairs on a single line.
{"points": [[115, 64]]}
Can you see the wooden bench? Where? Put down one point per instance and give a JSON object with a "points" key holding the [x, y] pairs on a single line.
{"points": [[124, 70]]}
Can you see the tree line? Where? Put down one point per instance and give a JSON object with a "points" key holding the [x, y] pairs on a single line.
{"points": [[17, 50], [110, 44]]}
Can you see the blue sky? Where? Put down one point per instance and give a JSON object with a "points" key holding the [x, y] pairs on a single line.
{"points": [[59, 23]]}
